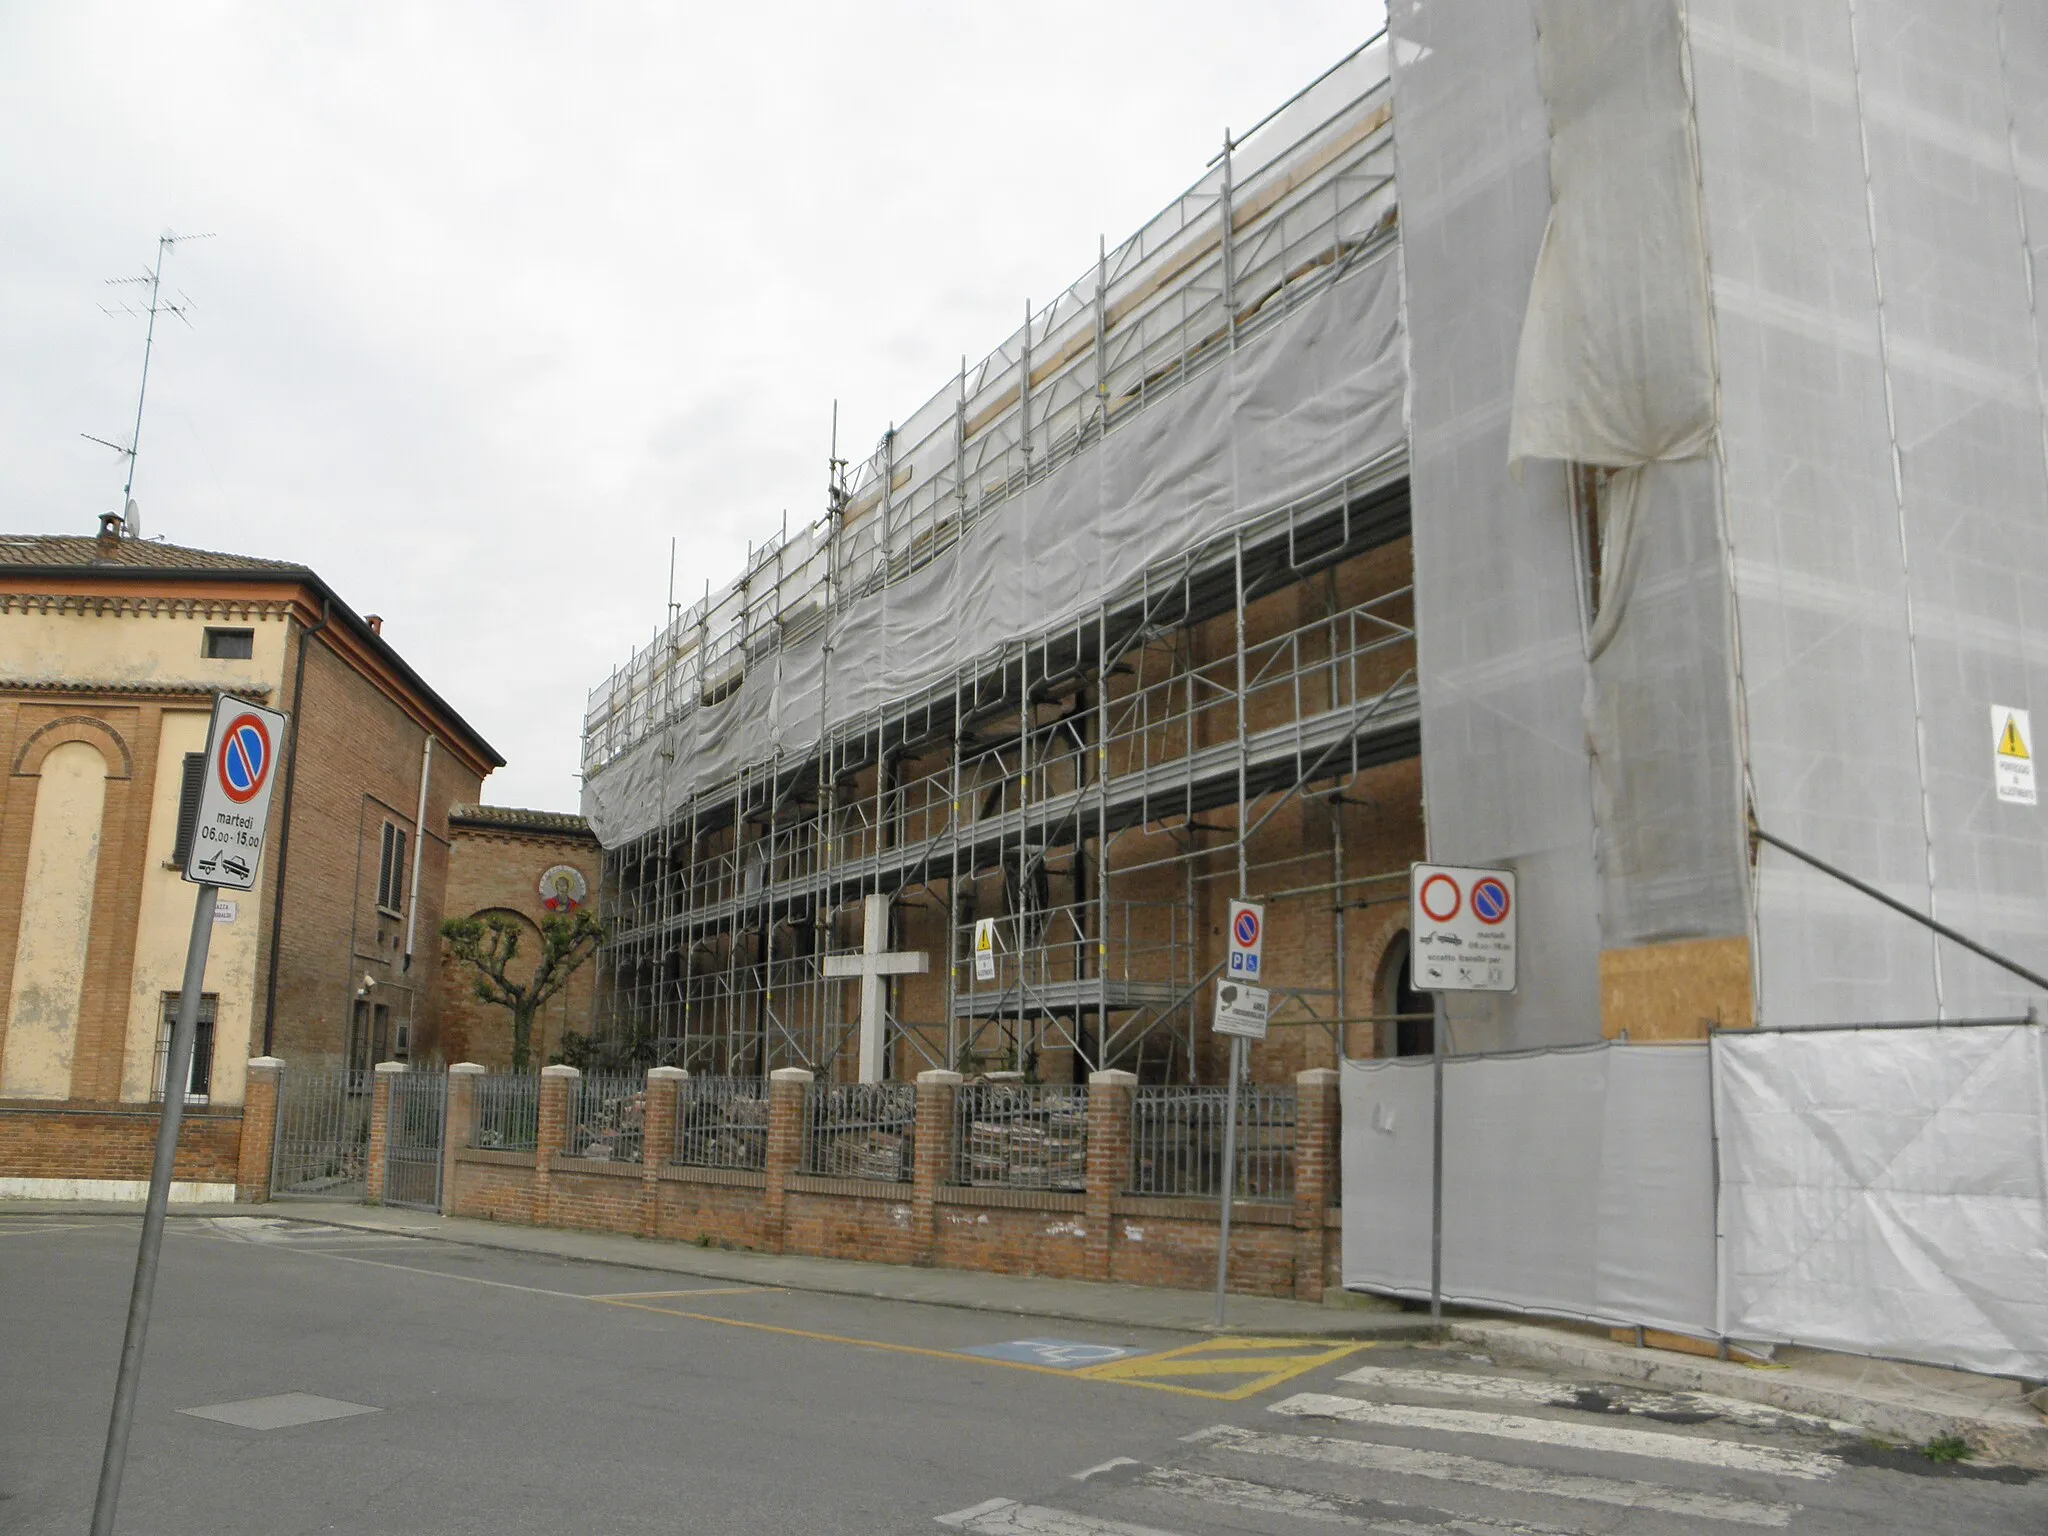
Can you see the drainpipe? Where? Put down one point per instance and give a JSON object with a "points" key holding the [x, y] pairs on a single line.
{"points": [[419, 847], [284, 838]]}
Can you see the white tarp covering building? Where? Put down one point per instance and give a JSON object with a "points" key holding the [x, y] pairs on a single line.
{"points": [[1880, 1191]]}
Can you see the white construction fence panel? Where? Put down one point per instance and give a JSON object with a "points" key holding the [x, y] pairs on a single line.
{"points": [[1885, 1192], [1577, 1182]]}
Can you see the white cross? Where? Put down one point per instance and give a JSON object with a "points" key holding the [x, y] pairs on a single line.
{"points": [[871, 965]]}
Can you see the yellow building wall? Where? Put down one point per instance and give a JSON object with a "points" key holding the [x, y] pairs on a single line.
{"points": [[164, 927], [82, 646], [56, 924], [151, 648]]}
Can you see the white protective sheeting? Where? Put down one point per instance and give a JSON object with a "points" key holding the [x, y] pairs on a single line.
{"points": [[1615, 369], [1876, 191], [1614, 366], [1885, 1192], [1289, 415], [1576, 1182], [1500, 649]]}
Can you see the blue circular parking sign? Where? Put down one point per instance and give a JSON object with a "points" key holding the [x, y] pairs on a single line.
{"points": [[1490, 901], [244, 758]]}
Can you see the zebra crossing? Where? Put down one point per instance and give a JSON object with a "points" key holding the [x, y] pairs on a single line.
{"points": [[1492, 1455]]}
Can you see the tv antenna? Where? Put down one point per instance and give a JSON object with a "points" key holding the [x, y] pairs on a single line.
{"points": [[157, 304]]}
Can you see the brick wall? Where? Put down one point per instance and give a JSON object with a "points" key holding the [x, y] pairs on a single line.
{"points": [[498, 869], [1100, 1233], [358, 766], [114, 1141]]}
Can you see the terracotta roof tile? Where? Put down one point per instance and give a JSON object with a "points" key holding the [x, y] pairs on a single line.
{"points": [[63, 551], [511, 818]]}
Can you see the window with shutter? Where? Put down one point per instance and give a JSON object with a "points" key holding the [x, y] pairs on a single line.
{"points": [[391, 869], [189, 787]]}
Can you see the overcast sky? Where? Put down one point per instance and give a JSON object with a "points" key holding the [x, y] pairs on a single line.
{"points": [[504, 296]]}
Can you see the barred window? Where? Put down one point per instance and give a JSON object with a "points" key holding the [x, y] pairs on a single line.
{"points": [[201, 1078]]}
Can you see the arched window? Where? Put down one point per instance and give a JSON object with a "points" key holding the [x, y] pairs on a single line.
{"points": [[1397, 1002]]}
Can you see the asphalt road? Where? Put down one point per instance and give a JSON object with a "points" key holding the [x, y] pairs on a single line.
{"points": [[351, 1382]]}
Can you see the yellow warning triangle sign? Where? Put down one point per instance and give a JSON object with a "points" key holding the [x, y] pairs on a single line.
{"points": [[2010, 743]]}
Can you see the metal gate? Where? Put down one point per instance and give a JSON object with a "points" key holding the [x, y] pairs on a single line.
{"points": [[412, 1139], [323, 1133]]}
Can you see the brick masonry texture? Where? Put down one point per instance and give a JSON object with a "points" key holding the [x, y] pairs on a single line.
{"points": [[498, 869], [115, 1141], [1277, 1249], [358, 767]]}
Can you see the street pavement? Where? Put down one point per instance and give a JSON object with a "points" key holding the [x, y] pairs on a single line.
{"points": [[304, 1376]]}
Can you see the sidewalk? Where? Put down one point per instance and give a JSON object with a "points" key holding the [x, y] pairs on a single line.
{"points": [[1902, 1403], [1907, 1404]]}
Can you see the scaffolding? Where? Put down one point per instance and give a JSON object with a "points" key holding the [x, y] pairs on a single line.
{"points": [[1080, 786]]}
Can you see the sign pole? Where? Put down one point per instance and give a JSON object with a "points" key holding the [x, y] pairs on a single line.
{"points": [[177, 1072], [1229, 1174], [1436, 1170]]}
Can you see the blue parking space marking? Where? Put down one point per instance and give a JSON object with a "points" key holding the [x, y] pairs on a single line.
{"points": [[1056, 1354]]}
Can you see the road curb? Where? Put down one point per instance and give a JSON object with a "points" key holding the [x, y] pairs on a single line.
{"points": [[2002, 1437]]}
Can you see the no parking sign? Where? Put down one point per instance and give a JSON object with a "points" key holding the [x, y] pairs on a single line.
{"points": [[1461, 927], [242, 750], [1247, 941]]}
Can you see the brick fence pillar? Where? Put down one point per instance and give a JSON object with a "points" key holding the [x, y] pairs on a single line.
{"points": [[1315, 1176], [787, 1089], [1109, 1160], [555, 1085], [380, 1125], [932, 1158], [265, 1084], [460, 1126], [658, 1139]]}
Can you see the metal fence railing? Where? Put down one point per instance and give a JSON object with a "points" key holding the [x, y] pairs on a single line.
{"points": [[607, 1116], [505, 1112], [1177, 1142], [722, 1122], [860, 1130], [323, 1134], [1021, 1136]]}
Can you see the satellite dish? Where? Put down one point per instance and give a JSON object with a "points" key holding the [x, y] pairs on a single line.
{"points": [[131, 519]]}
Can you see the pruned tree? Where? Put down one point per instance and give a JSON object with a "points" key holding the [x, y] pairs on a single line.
{"points": [[489, 944]]}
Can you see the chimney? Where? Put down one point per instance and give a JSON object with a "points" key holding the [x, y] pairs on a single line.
{"points": [[375, 621], [110, 532]]}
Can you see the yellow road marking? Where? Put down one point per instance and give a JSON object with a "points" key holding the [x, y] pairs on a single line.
{"points": [[1224, 1357], [702, 1290], [1241, 1365]]}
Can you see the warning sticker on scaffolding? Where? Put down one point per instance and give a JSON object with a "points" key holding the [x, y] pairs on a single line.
{"points": [[2012, 755], [985, 949], [1241, 1009]]}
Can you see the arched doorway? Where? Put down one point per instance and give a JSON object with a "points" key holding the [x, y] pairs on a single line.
{"points": [[1397, 1002]]}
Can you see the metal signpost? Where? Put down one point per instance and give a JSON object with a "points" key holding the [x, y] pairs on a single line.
{"points": [[1461, 933], [1240, 1013], [227, 847]]}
